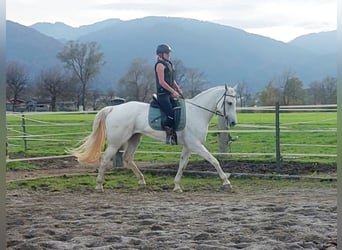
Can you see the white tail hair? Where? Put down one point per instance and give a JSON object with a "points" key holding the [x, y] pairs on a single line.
{"points": [[91, 148]]}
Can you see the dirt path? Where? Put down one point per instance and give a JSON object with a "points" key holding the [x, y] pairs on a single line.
{"points": [[287, 218], [69, 166], [71, 170], [60, 167]]}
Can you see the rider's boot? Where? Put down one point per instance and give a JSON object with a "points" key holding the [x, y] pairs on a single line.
{"points": [[170, 138]]}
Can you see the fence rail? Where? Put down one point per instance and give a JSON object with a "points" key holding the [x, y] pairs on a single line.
{"points": [[15, 134]]}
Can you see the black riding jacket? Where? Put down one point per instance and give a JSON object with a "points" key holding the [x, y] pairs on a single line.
{"points": [[168, 76]]}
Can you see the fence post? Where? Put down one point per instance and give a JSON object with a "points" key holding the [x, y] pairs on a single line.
{"points": [[222, 137], [277, 130], [7, 155], [23, 125]]}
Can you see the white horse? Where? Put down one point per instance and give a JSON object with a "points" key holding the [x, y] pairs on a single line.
{"points": [[126, 123]]}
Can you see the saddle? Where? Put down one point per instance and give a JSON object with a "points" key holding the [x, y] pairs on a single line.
{"points": [[156, 117]]}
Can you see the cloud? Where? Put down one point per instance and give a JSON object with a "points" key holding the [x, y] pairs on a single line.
{"points": [[261, 15]]}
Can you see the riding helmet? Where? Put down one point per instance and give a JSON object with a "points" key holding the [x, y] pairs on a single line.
{"points": [[163, 48]]}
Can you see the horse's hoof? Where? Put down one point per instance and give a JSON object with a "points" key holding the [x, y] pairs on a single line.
{"points": [[228, 188], [99, 188], [142, 186], [142, 182], [177, 190]]}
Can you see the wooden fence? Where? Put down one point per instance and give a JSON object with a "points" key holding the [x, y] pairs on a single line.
{"points": [[224, 141]]}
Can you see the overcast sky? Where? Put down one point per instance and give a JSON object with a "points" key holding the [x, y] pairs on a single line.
{"points": [[279, 19]]}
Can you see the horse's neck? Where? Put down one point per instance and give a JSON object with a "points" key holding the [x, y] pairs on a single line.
{"points": [[208, 100]]}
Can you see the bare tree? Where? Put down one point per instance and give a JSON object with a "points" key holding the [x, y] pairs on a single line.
{"points": [[330, 84], [324, 91], [194, 82], [85, 60], [139, 81], [93, 97], [242, 93], [191, 80], [16, 80], [181, 71], [110, 93], [52, 83]]}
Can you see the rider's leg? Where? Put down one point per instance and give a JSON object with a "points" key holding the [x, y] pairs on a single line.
{"points": [[166, 106]]}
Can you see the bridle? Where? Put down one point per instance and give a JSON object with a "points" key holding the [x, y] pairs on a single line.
{"points": [[224, 96]]}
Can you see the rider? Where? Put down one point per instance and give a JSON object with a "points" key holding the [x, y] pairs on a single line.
{"points": [[167, 89]]}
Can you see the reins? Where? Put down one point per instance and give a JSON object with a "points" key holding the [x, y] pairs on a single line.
{"points": [[214, 112], [204, 108]]}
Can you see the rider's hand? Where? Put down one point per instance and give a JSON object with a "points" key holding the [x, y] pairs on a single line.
{"points": [[175, 94]]}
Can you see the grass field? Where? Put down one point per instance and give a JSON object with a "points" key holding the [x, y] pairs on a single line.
{"points": [[124, 179], [301, 133]]}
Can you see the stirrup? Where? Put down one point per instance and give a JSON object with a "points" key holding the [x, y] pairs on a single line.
{"points": [[171, 140], [170, 136]]}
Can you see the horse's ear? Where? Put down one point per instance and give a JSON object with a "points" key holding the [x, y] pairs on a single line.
{"points": [[226, 87], [235, 87]]}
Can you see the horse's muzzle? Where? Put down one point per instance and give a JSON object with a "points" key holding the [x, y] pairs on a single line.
{"points": [[232, 123]]}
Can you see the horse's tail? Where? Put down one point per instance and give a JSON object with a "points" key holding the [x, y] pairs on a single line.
{"points": [[91, 148]]}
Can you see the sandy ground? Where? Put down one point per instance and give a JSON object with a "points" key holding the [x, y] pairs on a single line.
{"points": [[288, 218], [267, 219], [69, 166]]}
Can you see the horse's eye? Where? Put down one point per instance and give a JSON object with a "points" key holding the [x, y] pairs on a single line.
{"points": [[230, 103]]}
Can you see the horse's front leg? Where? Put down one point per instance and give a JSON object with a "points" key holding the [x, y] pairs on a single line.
{"points": [[182, 164], [201, 150]]}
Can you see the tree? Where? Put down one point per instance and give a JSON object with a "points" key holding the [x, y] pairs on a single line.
{"points": [[269, 96], [293, 92], [52, 83], [324, 91], [281, 81], [194, 82], [243, 93], [85, 61], [191, 80], [330, 87], [180, 74], [94, 96], [16, 80], [139, 82]]}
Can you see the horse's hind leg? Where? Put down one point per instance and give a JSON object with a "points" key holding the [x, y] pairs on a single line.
{"points": [[128, 156], [105, 159]]}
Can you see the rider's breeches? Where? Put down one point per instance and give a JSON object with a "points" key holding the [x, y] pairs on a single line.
{"points": [[165, 101]]}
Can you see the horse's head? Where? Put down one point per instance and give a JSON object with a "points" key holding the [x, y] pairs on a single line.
{"points": [[226, 105]]}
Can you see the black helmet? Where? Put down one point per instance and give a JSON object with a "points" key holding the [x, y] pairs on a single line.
{"points": [[163, 48]]}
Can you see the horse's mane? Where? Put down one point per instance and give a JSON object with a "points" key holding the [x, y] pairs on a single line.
{"points": [[207, 91]]}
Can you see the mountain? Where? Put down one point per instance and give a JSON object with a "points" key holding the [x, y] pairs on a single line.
{"points": [[28, 46], [64, 32], [320, 43], [225, 54]]}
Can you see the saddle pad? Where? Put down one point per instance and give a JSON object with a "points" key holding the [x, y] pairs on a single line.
{"points": [[154, 117]]}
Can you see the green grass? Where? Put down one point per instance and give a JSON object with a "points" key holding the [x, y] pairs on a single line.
{"points": [[56, 133], [59, 134], [125, 180], [21, 165]]}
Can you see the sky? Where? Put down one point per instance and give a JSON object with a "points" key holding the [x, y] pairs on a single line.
{"points": [[282, 20]]}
